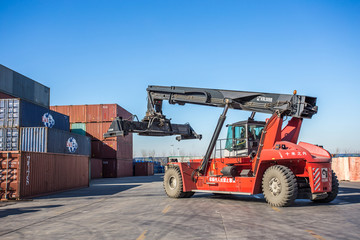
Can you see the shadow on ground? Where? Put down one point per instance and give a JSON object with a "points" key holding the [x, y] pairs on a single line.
{"points": [[18, 211], [107, 187], [347, 195], [92, 191], [137, 179]]}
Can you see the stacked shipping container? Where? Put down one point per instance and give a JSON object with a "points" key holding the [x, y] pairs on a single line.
{"points": [[30, 174], [14, 84], [94, 120], [34, 140], [25, 126]]}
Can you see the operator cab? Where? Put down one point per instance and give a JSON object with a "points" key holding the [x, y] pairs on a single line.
{"points": [[243, 138]]}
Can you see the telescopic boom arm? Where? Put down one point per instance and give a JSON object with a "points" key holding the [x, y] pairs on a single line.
{"points": [[156, 124]]}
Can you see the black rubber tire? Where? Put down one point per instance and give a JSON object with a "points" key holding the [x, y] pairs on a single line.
{"points": [[173, 184], [334, 190], [279, 186]]}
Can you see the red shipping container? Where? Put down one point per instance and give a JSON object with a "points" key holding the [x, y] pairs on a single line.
{"points": [[103, 149], [96, 168], [109, 168], [124, 168], [113, 168], [111, 111], [144, 168], [119, 148], [30, 174], [125, 147]]}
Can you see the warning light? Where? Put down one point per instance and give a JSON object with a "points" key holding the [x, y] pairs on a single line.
{"points": [[295, 92]]}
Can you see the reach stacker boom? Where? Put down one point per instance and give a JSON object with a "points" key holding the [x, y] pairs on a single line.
{"points": [[257, 156]]}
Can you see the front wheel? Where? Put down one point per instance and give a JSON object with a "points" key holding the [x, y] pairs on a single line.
{"points": [[173, 184], [334, 191], [279, 186]]}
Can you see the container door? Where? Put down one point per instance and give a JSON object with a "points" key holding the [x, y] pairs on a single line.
{"points": [[109, 168]]}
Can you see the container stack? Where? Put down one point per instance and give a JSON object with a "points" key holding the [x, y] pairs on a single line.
{"points": [[25, 126], [109, 157], [38, 153]]}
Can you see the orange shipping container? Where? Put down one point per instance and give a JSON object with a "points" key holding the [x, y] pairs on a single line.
{"points": [[62, 109], [96, 130], [354, 168], [30, 174], [92, 113]]}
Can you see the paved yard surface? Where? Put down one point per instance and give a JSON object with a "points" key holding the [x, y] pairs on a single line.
{"points": [[137, 208]]}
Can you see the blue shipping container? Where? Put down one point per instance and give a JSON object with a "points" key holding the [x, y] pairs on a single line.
{"points": [[42, 139], [16, 113], [17, 85]]}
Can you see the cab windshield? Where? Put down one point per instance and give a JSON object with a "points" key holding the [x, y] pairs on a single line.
{"points": [[254, 132]]}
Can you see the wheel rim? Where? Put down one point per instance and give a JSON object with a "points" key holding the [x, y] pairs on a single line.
{"points": [[172, 182], [275, 186]]}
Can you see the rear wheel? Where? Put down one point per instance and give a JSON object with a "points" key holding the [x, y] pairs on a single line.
{"points": [[279, 186], [173, 184], [334, 190]]}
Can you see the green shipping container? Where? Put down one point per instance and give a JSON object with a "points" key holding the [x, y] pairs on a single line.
{"points": [[79, 128]]}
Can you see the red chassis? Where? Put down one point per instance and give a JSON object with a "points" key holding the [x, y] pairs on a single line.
{"points": [[309, 165]]}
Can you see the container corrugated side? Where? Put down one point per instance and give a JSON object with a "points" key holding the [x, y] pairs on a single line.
{"points": [[17, 85], [96, 168], [34, 139], [124, 168], [92, 113], [62, 109], [119, 147], [109, 168], [20, 113], [143, 168], [55, 141], [29, 174], [96, 130], [125, 147]]}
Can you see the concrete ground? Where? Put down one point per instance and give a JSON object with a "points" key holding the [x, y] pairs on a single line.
{"points": [[137, 208]]}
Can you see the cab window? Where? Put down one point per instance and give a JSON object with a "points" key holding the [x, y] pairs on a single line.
{"points": [[255, 132]]}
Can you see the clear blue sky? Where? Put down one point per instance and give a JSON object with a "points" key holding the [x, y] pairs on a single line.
{"points": [[91, 52]]}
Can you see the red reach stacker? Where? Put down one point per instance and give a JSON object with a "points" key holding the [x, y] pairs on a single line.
{"points": [[257, 156]]}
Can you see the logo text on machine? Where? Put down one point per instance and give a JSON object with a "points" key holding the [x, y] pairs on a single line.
{"points": [[264, 99]]}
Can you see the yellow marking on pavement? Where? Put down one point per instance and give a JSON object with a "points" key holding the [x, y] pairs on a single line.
{"points": [[315, 235], [166, 209], [142, 236], [276, 209]]}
